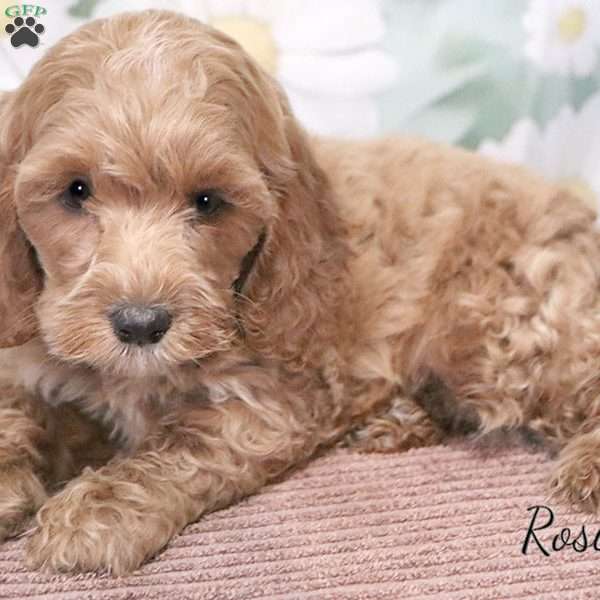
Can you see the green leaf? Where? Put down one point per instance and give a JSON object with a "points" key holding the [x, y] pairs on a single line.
{"points": [[440, 123], [83, 9], [417, 90]]}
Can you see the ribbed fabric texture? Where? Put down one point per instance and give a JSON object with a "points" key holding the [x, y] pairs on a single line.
{"points": [[443, 522]]}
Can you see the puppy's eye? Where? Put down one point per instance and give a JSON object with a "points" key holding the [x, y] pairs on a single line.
{"points": [[76, 194], [208, 202]]}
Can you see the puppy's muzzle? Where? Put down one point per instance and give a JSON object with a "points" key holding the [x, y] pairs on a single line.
{"points": [[140, 325]]}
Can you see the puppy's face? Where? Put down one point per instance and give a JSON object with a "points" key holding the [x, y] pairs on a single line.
{"points": [[141, 228], [145, 191]]}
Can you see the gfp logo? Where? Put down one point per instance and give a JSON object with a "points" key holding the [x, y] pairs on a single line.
{"points": [[24, 28]]}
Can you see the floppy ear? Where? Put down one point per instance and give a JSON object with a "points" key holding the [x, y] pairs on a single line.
{"points": [[20, 280], [299, 271]]}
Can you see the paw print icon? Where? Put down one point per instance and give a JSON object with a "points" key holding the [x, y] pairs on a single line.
{"points": [[24, 31]]}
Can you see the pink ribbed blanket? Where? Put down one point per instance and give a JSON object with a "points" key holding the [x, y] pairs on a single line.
{"points": [[441, 522]]}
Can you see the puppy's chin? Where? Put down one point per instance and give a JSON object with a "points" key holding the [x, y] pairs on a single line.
{"points": [[110, 357], [137, 362]]}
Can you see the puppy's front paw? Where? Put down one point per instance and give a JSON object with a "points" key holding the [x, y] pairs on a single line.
{"points": [[96, 524], [21, 494], [576, 479]]}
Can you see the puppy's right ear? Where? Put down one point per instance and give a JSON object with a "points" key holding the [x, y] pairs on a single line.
{"points": [[20, 280]]}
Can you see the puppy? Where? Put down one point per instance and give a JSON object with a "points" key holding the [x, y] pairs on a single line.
{"points": [[195, 295]]}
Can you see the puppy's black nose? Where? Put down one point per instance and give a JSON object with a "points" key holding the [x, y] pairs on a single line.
{"points": [[140, 325]]}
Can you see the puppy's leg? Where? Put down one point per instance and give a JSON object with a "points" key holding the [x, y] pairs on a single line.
{"points": [[576, 476], [403, 425], [40, 446], [203, 459], [22, 464]]}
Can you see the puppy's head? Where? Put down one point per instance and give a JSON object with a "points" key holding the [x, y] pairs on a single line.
{"points": [[146, 164]]}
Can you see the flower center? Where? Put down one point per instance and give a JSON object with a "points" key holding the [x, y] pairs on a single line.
{"points": [[571, 25], [254, 36], [581, 188]]}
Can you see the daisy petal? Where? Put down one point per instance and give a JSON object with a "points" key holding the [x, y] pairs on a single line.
{"points": [[521, 143], [10, 77], [554, 160], [107, 8], [360, 73], [225, 8], [344, 117], [331, 26], [194, 8], [589, 129], [584, 61], [267, 11]]}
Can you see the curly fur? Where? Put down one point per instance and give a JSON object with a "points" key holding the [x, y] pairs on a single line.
{"points": [[400, 290]]}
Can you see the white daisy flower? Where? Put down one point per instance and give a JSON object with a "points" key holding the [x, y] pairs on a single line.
{"points": [[566, 151], [327, 54], [563, 35]]}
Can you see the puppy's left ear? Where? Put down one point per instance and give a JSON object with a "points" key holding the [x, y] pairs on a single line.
{"points": [[300, 270], [20, 280]]}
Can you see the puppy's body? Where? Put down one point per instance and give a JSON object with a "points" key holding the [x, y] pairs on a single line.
{"points": [[335, 284]]}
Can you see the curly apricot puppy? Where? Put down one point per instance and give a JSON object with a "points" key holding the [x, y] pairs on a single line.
{"points": [[196, 295]]}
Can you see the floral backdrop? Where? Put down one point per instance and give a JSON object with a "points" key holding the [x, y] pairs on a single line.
{"points": [[515, 79]]}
